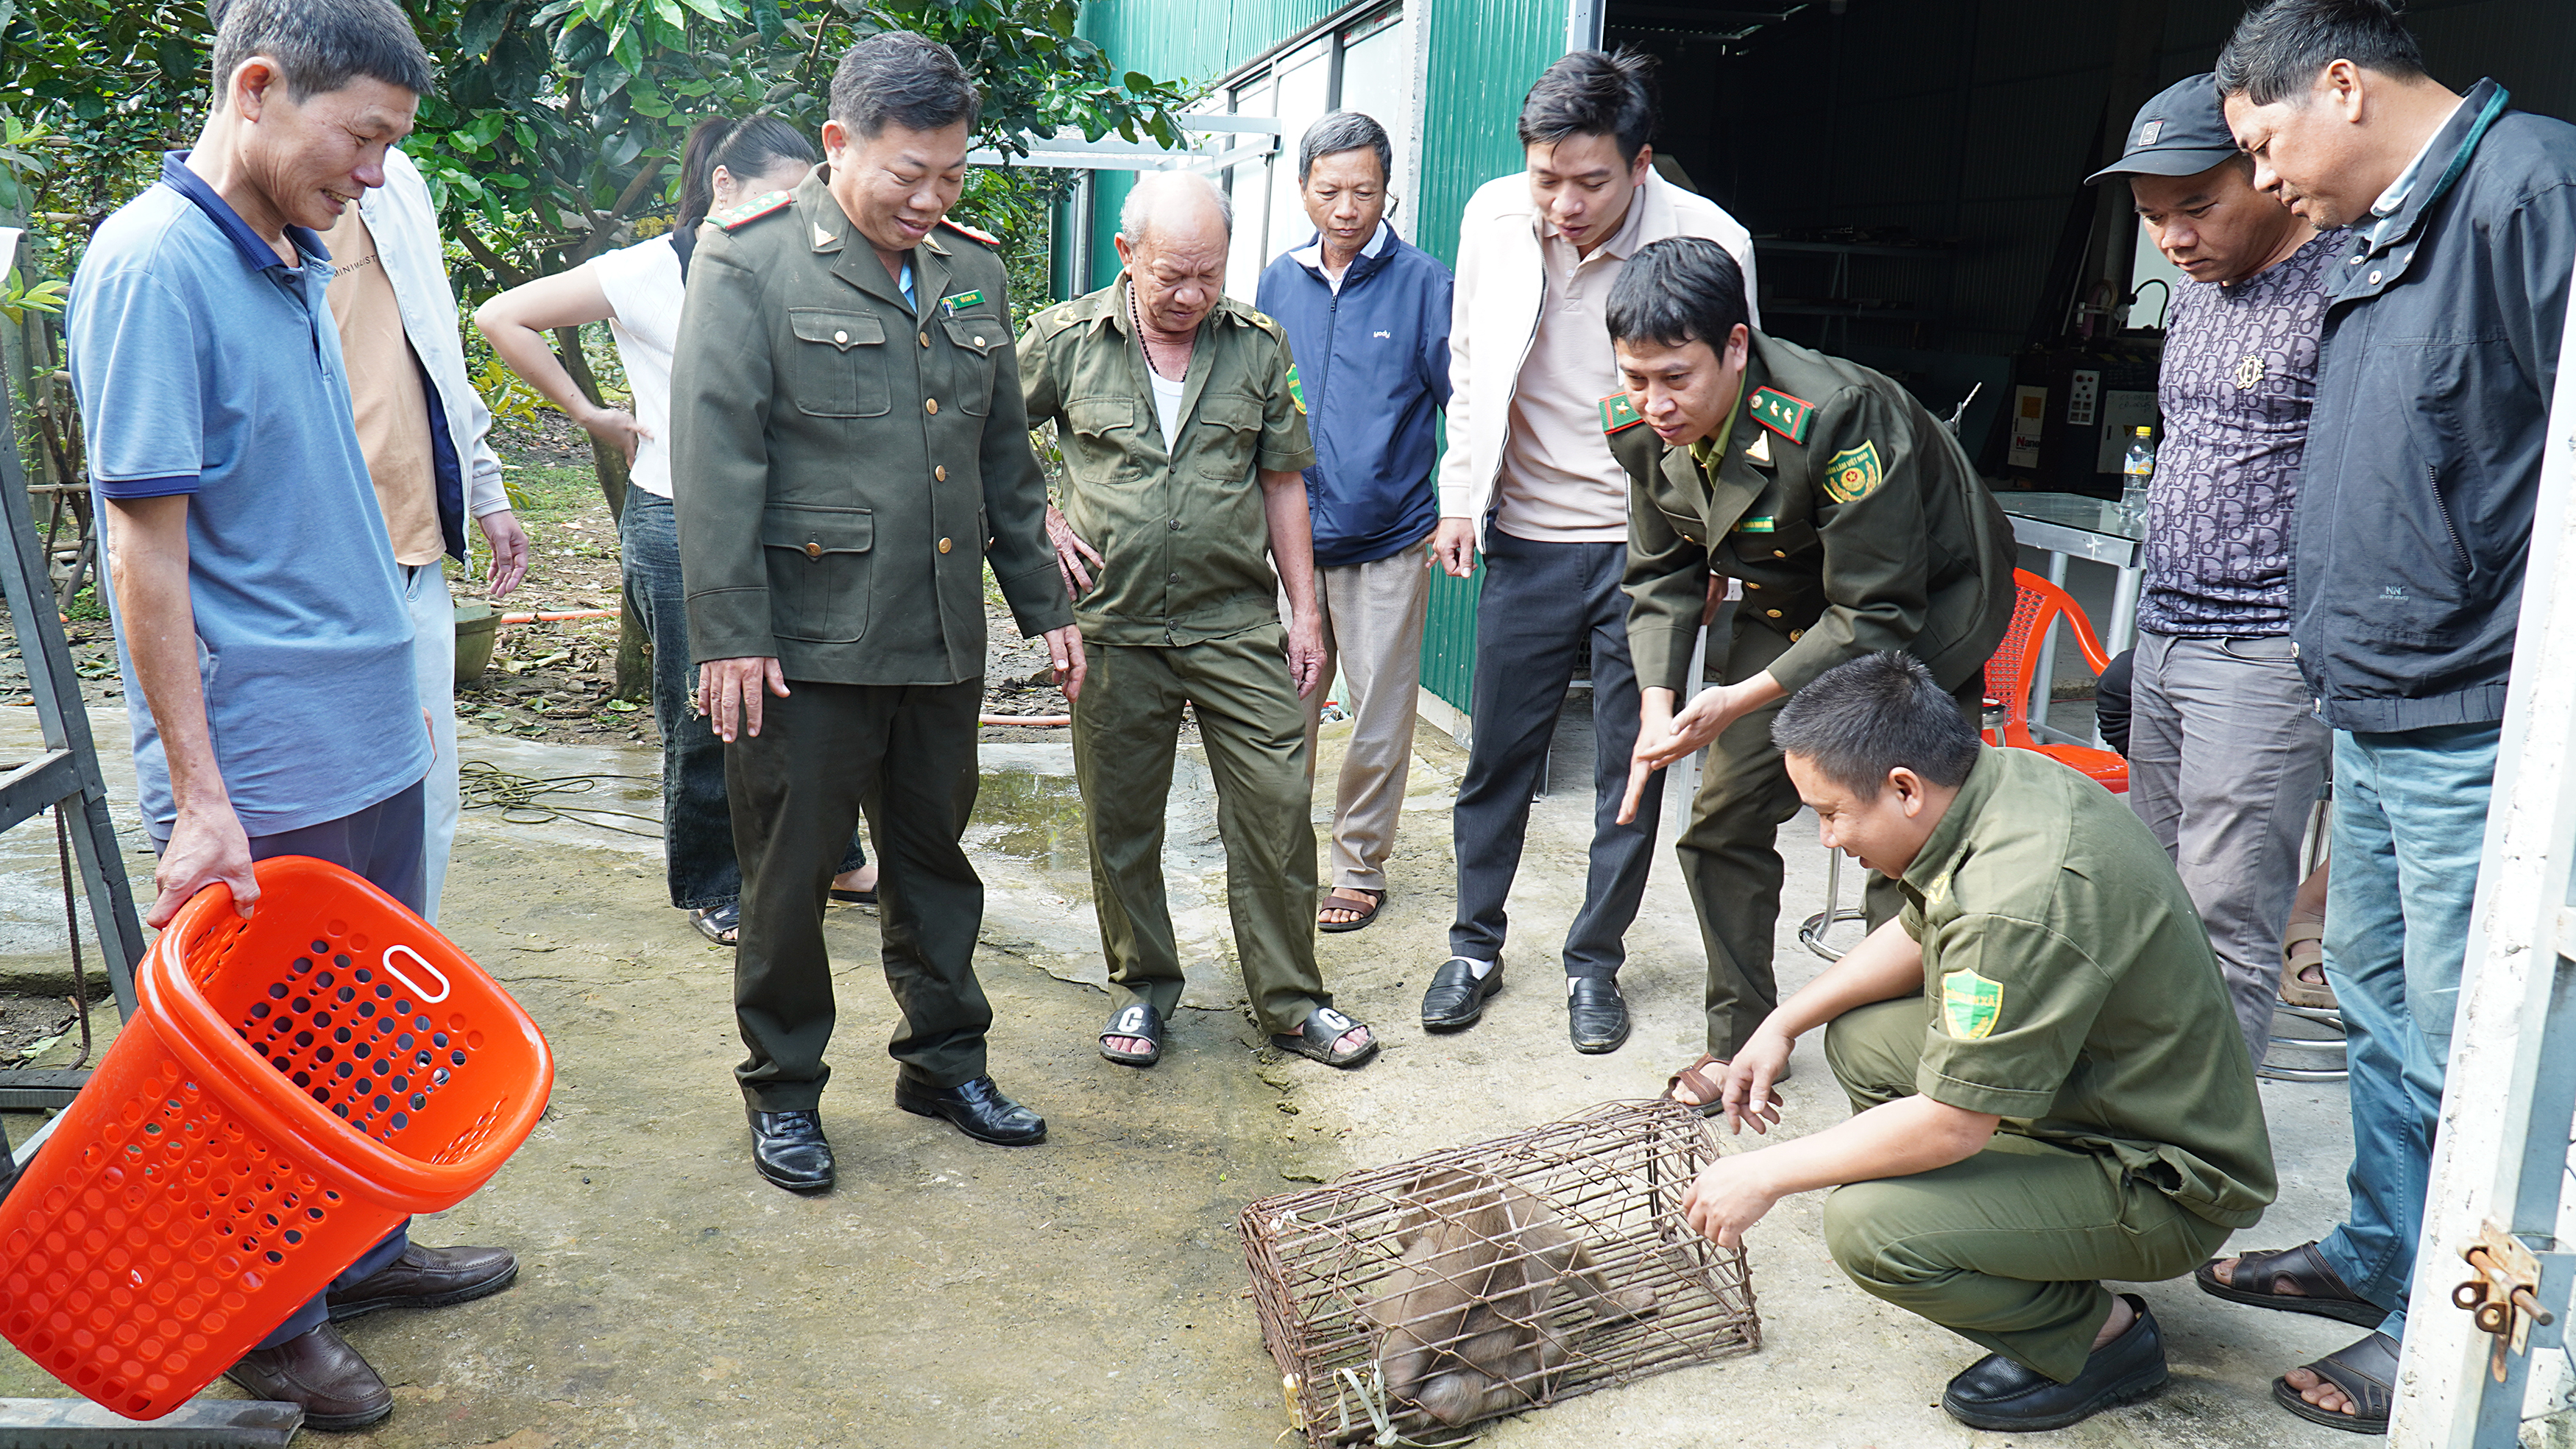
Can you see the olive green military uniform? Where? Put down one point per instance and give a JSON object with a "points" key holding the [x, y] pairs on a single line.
{"points": [[1856, 525], [1185, 609], [846, 461], [2068, 988]]}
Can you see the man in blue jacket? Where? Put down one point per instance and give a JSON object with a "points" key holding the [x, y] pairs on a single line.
{"points": [[2442, 332], [1367, 318]]}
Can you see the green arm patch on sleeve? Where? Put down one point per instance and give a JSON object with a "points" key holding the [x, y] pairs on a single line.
{"points": [[752, 210], [1296, 387], [1970, 1004], [1853, 474], [1619, 414], [1788, 416]]}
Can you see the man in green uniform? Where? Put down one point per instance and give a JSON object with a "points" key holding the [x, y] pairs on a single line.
{"points": [[1854, 523], [1184, 446], [2047, 1082], [851, 449]]}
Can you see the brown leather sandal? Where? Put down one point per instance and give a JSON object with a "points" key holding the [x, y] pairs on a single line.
{"points": [[2367, 1374], [1712, 1088], [2321, 1290], [2303, 949]]}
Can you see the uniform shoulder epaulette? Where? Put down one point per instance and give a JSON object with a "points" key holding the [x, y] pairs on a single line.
{"points": [[1054, 319], [1619, 414], [1788, 416], [752, 210], [962, 229]]}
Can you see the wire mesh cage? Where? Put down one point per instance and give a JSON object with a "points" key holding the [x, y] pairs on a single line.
{"points": [[1483, 1280]]}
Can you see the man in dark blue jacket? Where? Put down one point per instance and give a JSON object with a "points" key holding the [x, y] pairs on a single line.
{"points": [[2442, 332], [1367, 318]]}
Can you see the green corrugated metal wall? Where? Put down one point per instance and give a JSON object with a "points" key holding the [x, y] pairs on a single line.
{"points": [[1483, 54]]}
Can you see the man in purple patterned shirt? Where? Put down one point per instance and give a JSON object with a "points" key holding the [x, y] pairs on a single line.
{"points": [[2225, 751]]}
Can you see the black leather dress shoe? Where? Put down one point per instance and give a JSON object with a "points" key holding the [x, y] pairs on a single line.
{"points": [[790, 1150], [1596, 1015], [976, 1108], [1997, 1393], [1457, 996]]}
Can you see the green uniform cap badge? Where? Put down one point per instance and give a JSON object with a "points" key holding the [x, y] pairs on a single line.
{"points": [[759, 206], [1296, 388], [951, 305], [1853, 474], [1788, 416], [1618, 413], [1970, 1004]]}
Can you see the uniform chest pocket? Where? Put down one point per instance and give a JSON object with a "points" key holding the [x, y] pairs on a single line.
{"points": [[818, 571], [1785, 538], [975, 340], [1229, 433], [1104, 430], [838, 367]]}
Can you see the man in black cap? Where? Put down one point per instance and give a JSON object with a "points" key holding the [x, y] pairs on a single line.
{"points": [[2225, 752]]}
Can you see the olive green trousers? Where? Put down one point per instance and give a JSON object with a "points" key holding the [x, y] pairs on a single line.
{"points": [[904, 755], [1126, 731], [2008, 1248]]}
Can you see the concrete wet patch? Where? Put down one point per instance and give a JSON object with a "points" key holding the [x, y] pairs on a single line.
{"points": [[1088, 1291]]}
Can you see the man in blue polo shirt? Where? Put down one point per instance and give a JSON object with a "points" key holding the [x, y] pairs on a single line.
{"points": [[259, 616]]}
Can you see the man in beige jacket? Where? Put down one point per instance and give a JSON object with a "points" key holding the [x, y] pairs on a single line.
{"points": [[1528, 480]]}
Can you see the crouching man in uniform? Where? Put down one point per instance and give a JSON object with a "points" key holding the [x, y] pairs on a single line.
{"points": [[2047, 1084], [1855, 525]]}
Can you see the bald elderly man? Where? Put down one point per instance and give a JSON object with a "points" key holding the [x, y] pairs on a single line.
{"points": [[1184, 521]]}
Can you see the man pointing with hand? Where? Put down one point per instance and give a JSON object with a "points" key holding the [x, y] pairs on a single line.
{"points": [[1855, 524]]}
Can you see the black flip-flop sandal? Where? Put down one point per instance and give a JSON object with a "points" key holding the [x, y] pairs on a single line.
{"points": [[2365, 1371], [1314, 1041], [2321, 1291], [720, 924], [1336, 901], [1140, 1021]]}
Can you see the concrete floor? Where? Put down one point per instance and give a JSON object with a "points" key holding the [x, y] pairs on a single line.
{"points": [[1090, 1291]]}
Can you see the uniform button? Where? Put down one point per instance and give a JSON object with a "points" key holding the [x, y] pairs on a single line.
{"points": [[1176, 525], [1748, 583], [1775, 553], [925, 338], [943, 545], [931, 406], [979, 341], [840, 336], [1774, 613], [940, 472], [1797, 634], [1171, 578], [813, 549], [2374, 276]]}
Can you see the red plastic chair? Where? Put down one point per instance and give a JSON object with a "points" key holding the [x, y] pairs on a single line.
{"points": [[2037, 604]]}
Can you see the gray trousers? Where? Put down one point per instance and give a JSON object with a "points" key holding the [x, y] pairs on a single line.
{"points": [[2225, 759], [1372, 617]]}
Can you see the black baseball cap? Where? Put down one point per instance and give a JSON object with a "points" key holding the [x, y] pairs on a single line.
{"points": [[2182, 132]]}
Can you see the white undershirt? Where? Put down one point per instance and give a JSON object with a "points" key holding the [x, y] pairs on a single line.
{"points": [[1167, 406]]}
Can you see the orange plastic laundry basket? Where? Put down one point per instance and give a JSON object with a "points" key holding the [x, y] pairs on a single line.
{"points": [[291, 1087]]}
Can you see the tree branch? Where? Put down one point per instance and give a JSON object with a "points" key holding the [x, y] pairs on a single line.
{"points": [[602, 228]]}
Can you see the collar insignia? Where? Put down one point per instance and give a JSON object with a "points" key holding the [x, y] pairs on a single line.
{"points": [[1758, 452]]}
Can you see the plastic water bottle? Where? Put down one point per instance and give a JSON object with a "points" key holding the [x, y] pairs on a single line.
{"points": [[2137, 468]]}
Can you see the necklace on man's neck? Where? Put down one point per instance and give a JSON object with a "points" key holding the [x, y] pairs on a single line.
{"points": [[1136, 320]]}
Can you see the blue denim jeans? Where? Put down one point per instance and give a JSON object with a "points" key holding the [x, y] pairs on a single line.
{"points": [[697, 820], [2410, 824]]}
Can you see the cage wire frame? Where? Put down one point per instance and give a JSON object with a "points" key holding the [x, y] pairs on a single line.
{"points": [[1447, 1257]]}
